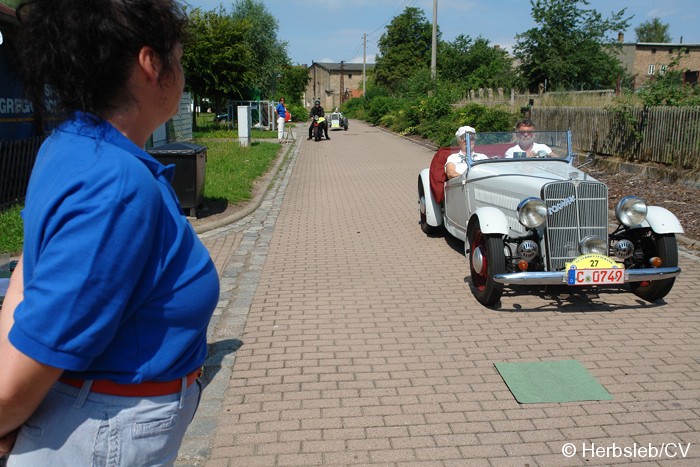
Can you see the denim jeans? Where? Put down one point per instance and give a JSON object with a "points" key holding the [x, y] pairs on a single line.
{"points": [[76, 427]]}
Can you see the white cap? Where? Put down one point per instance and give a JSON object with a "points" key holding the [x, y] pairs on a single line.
{"points": [[464, 130]]}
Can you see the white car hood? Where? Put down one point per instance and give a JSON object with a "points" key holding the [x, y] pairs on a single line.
{"points": [[523, 177]]}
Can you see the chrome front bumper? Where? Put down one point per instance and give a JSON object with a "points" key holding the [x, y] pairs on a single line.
{"points": [[559, 277]]}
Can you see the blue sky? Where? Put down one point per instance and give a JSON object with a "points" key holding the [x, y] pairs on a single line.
{"points": [[331, 30]]}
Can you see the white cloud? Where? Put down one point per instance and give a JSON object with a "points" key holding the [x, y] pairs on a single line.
{"points": [[371, 58]]}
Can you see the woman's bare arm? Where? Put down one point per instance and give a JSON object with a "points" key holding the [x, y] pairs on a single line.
{"points": [[25, 381]]}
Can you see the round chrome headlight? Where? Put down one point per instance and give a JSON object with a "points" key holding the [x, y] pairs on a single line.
{"points": [[532, 212], [631, 210], [593, 245]]}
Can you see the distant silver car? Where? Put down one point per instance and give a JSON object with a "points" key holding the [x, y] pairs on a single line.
{"points": [[542, 221]]}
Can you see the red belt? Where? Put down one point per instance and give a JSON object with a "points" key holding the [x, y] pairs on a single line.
{"points": [[147, 389]]}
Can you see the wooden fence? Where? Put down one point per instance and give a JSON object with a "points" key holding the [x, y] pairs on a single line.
{"points": [[669, 136], [514, 99], [16, 161]]}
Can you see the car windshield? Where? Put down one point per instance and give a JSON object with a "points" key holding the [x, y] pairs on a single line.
{"points": [[515, 145]]}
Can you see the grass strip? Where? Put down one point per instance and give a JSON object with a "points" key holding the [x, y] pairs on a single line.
{"points": [[233, 169]]}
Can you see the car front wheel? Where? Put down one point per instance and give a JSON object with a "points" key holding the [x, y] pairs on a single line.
{"points": [[666, 248], [486, 259]]}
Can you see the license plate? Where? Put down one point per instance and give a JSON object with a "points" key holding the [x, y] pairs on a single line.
{"points": [[594, 270], [595, 276]]}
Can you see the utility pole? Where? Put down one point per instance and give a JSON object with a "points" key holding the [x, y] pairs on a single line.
{"points": [[313, 65], [364, 64], [433, 58], [342, 81]]}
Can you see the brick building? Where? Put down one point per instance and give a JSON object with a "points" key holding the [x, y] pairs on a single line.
{"points": [[334, 83], [644, 60]]}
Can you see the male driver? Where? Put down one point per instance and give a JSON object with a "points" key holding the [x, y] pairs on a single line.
{"points": [[526, 142], [456, 163], [317, 111]]}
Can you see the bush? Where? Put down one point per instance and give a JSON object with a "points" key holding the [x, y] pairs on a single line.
{"points": [[418, 85], [487, 118], [355, 108], [353, 104], [430, 116], [430, 113], [299, 112], [378, 108]]}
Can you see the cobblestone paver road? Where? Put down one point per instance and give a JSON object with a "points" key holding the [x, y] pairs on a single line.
{"points": [[345, 336]]}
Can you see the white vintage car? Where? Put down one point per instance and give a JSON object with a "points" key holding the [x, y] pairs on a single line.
{"points": [[537, 219]]}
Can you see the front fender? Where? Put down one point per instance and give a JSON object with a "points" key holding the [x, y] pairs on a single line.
{"points": [[662, 221], [433, 211], [491, 220]]}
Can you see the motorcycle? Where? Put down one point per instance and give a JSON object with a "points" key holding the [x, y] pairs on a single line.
{"points": [[319, 125]]}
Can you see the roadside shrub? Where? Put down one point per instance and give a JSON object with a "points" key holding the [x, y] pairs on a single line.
{"points": [[417, 85], [430, 116], [395, 117], [299, 112], [353, 105], [378, 108], [433, 108], [484, 118]]}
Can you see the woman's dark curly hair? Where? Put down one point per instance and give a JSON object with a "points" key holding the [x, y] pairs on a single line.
{"points": [[83, 51]]}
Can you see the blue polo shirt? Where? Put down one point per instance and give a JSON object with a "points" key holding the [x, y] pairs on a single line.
{"points": [[281, 110], [117, 285]]}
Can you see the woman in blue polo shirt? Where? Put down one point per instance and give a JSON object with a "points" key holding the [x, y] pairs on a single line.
{"points": [[103, 331], [281, 112]]}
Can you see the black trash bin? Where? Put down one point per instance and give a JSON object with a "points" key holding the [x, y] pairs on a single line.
{"points": [[190, 168]]}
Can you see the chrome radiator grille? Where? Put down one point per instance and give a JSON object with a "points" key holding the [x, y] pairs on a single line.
{"points": [[575, 210]]}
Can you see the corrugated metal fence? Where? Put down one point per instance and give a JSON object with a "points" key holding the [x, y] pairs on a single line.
{"points": [[664, 135]]}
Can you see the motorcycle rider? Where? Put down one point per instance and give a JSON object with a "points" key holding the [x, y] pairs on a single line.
{"points": [[317, 111]]}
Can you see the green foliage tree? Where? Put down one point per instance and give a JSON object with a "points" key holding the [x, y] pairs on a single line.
{"points": [[233, 55], [476, 64], [418, 85], [268, 52], [653, 31], [218, 63], [569, 48], [453, 60], [404, 48], [292, 83]]}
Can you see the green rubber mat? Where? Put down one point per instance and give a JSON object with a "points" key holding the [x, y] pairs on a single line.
{"points": [[558, 381]]}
